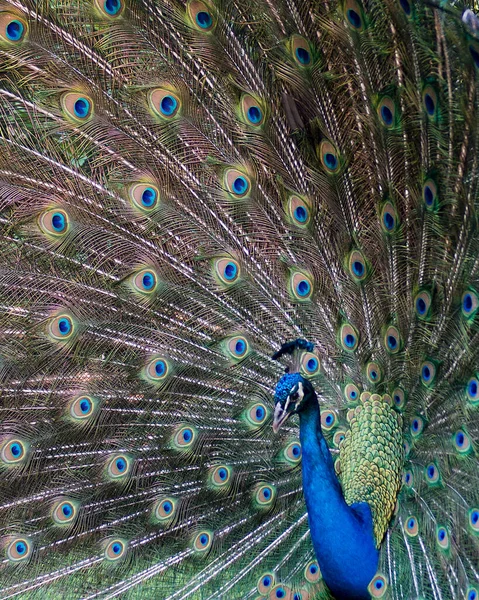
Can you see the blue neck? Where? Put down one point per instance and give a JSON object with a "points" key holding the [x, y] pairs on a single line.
{"points": [[342, 535]]}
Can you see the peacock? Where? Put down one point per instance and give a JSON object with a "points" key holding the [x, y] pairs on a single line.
{"points": [[239, 299]]}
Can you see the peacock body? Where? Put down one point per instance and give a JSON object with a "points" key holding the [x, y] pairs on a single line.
{"points": [[191, 194]]}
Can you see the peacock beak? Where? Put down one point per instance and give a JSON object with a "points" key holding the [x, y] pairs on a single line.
{"points": [[280, 416]]}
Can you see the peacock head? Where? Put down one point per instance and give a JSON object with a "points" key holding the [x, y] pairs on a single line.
{"points": [[291, 396]]}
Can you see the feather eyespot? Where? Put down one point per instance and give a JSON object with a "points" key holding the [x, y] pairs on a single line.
{"points": [[164, 103], [392, 340], [77, 107], [374, 373], [220, 476], [378, 586], [119, 466], [265, 583], [351, 392], [301, 286], [54, 222], [165, 509], [472, 593], [62, 327], [201, 15], [442, 538], [338, 437], [417, 426], [473, 516], [292, 453], [428, 373], [110, 8], [83, 407], [406, 6], [472, 391], [251, 111], [145, 282], [13, 28], [19, 549], [227, 271], [312, 572], [280, 592], [399, 398], [469, 304], [144, 196], [387, 112], [462, 442], [299, 211], [389, 218], [310, 364], [357, 266], [238, 184], [328, 420], [157, 370], [429, 100], [329, 157], [411, 526], [408, 478], [264, 495], [422, 304], [184, 438], [64, 512], [301, 51], [429, 194], [237, 347], [354, 15], [202, 541], [115, 549], [257, 414], [349, 338], [13, 451], [432, 473]]}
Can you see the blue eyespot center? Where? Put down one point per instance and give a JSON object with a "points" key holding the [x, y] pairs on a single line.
{"points": [[300, 214], [387, 115], [329, 420], [15, 449], [426, 373], [303, 288], [85, 405], [230, 271], [373, 375], [379, 584], [222, 474], [358, 268], [120, 464], [203, 539], [441, 535], [266, 581], [350, 340], [397, 399], [313, 569], [388, 220], [267, 493], [296, 450], [472, 388], [280, 593], [240, 186], [64, 326], [204, 19], [431, 471], [429, 104], [428, 195], [408, 477], [116, 548], [160, 367], [405, 6], [415, 425], [187, 435], [312, 364], [411, 523], [460, 439], [303, 56], [467, 303], [148, 197], [67, 510], [255, 114], [475, 517], [15, 30], [167, 507], [330, 160], [58, 222], [112, 7], [148, 280], [21, 548], [168, 105], [353, 394], [392, 342], [81, 108], [240, 347], [354, 18], [472, 595], [421, 306], [259, 413]]}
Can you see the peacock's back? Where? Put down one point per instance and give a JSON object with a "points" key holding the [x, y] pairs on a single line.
{"points": [[183, 187]]}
